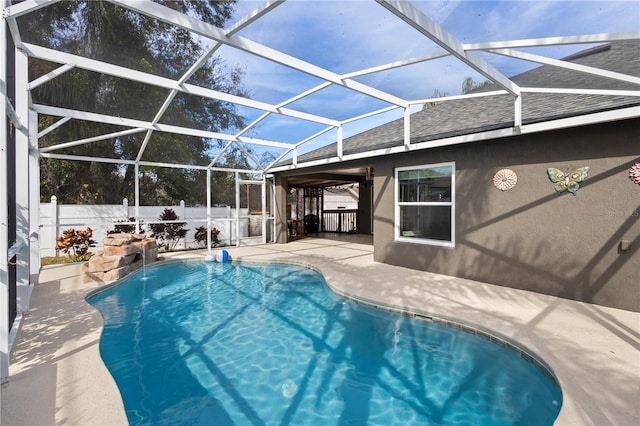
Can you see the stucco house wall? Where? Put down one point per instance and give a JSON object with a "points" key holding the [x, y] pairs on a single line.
{"points": [[530, 237]]}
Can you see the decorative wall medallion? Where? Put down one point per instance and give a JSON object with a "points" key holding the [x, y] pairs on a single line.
{"points": [[505, 179], [634, 173], [567, 181]]}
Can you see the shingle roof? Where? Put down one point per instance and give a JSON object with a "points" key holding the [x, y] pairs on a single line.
{"points": [[473, 115]]}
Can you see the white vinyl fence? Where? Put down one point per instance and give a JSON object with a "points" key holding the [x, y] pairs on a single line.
{"points": [[55, 218]]}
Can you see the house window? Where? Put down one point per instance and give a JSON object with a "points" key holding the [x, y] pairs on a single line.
{"points": [[425, 204]]}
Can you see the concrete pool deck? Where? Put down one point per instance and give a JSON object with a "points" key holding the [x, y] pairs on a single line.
{"points": [[57, 375]]}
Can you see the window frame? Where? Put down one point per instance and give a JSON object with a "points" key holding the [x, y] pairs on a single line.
{"points": [[398, 204]]}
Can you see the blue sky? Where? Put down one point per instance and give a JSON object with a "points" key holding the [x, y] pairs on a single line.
{"points": [[346, 36]]}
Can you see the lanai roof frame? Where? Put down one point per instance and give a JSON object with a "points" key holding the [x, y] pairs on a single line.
{"points": [[404, 10]]}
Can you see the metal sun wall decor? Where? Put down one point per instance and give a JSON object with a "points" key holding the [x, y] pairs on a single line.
{"points": [[634, 173], [567, 181], [505, 179]]}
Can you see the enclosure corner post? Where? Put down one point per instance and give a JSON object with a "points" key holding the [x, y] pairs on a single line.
{"points": [[35, 231], [24, 185], [237, 209], [263, 200], [4, 195], [183, 216]]}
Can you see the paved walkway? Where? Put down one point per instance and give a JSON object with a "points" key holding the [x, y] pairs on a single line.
{"points": [[57, 376]]}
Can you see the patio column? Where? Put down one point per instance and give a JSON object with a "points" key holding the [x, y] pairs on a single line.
{"points": [[34, 198], [4, 195], [365, 206], [23, 184], [137, 196], [280, 191], [209, 211], [237, 175], [263, 200]]}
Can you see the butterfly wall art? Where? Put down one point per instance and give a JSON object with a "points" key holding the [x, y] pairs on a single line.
{"points": [[567, 181]]}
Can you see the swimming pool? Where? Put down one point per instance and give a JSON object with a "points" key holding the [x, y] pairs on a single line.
{"points": [[236, 343]]}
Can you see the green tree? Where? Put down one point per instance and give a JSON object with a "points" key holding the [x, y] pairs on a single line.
{"points": [[116, 35]]}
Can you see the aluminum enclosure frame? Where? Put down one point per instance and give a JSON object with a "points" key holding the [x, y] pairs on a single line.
{"points": [[23, 116]]}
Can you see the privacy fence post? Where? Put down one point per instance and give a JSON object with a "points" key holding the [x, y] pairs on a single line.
{"points": [[229, 228], [53, 217]]}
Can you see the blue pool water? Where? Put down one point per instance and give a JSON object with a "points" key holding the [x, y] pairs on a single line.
{"points": [[234, 343]]}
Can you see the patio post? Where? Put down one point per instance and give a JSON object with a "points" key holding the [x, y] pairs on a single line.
{"points": [[35, 234], [209, 211], [237, 209], [23, 184], [137, 195], [280, 192], [264, 207], [183, 215], [4, 193]]}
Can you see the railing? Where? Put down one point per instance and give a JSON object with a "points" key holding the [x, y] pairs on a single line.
{"points": [[345, 221]]}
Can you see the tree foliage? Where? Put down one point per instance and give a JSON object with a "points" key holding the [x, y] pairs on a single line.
{"points": [[109, 33], [436, 94], [469, 85]]}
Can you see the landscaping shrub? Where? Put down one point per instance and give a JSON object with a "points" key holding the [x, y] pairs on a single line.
{"points": [[167, 235], [76, 244], [201, 236], [126, 228]]}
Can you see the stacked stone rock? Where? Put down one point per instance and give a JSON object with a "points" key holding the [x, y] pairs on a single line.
{"points": [[122, 254]]}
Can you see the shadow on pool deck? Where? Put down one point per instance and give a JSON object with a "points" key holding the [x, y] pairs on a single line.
{"points": [[57, 375]]}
